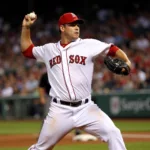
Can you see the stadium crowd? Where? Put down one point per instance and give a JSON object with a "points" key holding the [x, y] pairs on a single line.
{"points": [[131, 32]]}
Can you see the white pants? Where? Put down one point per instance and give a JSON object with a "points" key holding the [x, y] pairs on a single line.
{"points": [[62, 119]]}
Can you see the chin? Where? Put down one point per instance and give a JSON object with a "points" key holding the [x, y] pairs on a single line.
{"points": [[76, 37], [73, 39]]}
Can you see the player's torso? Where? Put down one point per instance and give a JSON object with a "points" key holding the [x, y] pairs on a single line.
{"points": [[70, 70]]}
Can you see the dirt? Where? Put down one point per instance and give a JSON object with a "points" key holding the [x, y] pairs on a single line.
{"points": [[28, 139]]}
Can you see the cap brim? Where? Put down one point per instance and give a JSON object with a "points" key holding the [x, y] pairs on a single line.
{"points": [[80, 21]]}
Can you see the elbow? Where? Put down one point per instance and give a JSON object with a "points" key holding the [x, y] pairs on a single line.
{"points": [[28, 52]]}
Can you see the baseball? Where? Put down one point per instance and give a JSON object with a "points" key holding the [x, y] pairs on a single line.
{"points": [[32, 15]]}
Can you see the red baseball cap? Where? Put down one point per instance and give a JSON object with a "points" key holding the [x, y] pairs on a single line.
{"points": [[69, 18]]}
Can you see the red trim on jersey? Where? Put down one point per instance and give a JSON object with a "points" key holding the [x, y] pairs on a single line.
{"points": [[70, 77], [112, 50], [63, 45], [28, 52], [64, 75]]}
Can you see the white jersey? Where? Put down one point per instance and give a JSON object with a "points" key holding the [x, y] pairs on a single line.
{"points": [[70, 69]]}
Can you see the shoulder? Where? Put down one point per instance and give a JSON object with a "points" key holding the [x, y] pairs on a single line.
{"points": [[45, 45], [90, 40], [93, 42], [49, 45]]}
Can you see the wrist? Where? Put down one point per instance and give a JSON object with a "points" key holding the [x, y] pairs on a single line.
{"points": [[26, 27]]}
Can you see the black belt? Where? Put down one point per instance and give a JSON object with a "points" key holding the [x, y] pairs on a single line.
{"points": [[73, 104]]}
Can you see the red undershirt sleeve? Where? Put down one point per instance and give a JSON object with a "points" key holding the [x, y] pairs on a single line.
{"points": [[28, 52], [112, 50]]}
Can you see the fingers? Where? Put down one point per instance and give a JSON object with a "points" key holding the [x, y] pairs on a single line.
{"points": [[123, 69], [29, 20], [31, 16]]}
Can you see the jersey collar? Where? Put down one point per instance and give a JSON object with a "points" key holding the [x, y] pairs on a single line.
{"points": [[67, 46]]}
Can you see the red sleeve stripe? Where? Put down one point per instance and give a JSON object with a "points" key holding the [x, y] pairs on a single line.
{"points": [[112, 50], [28, 52]]}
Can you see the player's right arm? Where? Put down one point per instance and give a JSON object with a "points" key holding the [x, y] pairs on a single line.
{"points": [[26, 41], [27, 47]]}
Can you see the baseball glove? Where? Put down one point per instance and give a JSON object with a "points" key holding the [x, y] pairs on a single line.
{"points": [[117, 66]]}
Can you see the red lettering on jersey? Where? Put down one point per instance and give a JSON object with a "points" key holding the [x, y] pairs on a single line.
{"points": [[71, 57], [83, 58], [58, 59], [77, 59], [54, 61]]}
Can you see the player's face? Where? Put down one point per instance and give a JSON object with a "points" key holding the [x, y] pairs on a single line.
{"points": [[72, 31]]}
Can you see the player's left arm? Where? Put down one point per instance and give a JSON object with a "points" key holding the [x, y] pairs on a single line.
{"points": [[115, 51], [122, 55]]}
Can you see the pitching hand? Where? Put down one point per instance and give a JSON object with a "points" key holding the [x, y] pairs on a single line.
{"points": [[28, 20]]}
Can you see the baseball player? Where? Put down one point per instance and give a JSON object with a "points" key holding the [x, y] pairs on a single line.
{"points": [[69, 64]]}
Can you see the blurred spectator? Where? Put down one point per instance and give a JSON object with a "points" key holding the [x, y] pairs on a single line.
{"points": [[7, 90]]}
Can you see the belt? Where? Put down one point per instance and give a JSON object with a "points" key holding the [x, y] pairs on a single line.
{"points": [[73, 104]]}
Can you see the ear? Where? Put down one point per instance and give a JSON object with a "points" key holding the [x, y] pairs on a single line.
{"points": [[61, 28]]}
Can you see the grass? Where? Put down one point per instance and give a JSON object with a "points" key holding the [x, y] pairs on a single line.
{"points": [[130, 146], [131, 125], [33, 127], [20, 127]]}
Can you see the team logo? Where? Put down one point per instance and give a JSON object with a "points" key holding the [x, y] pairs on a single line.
{"points": [[72, 59], [115, 107], [55, 60], [77, 59]]}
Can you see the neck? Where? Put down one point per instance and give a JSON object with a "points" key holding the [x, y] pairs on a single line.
{"points": [[66, 40]]}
